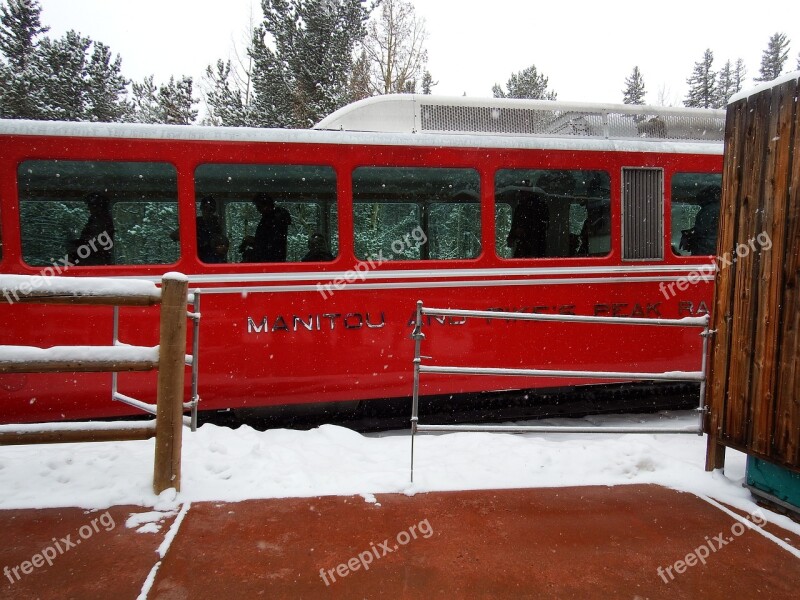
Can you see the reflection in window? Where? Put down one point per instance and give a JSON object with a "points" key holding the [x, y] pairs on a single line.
{"points": [[542, 213], [695, 213], [403, 213], [272, 213], [98, 213]]}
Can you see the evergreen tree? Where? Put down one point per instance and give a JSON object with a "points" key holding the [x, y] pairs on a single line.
{"points": [[528, 83], [634, 88], [702, 84], [360, 86], [428, 83], [63, 76], [227, 104], [107, 88], [145, 102], [726, 86], [56, 79], [170, 104], [739, 74], [774, 57], [175, 101], [20, 26], [307, 74]]}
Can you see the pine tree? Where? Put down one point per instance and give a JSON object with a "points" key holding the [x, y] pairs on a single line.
{"points": [[726, 86], [428, 83], [145, 102], [359, 84], [64, 71], [774, 57], [226, 103], [634, 91], [739, 74], [170, 103], [528, 83], [307, 74], [107, 88], [702, 84], [20, 26], [56, 79], [175, 102]]}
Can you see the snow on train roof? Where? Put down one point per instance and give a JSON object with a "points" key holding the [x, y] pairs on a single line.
{"points": [[364, 122]]}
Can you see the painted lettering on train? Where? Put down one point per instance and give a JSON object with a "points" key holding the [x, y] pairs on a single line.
{"points": [[316, 322]]}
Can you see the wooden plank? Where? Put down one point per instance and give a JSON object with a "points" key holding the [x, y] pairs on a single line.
{"points": [[44, 297], [770, 281], [786, 438], [125, 434], [738, 409], [77, 366], [171, 373], [718, 364]]}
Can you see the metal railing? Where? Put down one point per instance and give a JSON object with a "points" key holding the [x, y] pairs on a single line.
{"points": [[192, 361], [419, 368]]}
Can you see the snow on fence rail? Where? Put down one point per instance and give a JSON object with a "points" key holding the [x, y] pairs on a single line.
{"points": [[419, 368], [168, 357]]}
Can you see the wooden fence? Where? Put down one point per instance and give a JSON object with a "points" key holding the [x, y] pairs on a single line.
{"points": [[169, 358], [754, 382]]}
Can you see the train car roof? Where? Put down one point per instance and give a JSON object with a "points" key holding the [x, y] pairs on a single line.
{"points": [[397, 120]]}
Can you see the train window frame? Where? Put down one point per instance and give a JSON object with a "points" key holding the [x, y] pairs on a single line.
{"points": [[95, 200], [512, 185], [697, 184], [420, 242], [237, 204]]}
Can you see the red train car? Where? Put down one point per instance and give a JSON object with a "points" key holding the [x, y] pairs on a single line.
{"points": [[311, 247]]}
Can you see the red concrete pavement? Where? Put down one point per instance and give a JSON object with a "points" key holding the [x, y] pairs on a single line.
{"points": [[595, 542]]}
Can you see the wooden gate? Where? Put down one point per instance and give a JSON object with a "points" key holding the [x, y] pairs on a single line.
{"points": [[753, 390]]}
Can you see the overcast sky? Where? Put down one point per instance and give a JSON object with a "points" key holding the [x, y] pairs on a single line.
{"points": [[585, 48]]}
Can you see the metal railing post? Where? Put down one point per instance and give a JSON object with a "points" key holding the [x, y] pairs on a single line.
{"points": [[195, 355], [114, 342], [417, 336], [701, 408]]}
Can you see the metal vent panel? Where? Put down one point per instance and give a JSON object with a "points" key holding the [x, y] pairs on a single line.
{"points": [[603, 124], [642, 214]]}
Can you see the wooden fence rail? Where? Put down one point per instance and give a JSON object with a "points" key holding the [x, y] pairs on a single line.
{"points": [[168, 357]]}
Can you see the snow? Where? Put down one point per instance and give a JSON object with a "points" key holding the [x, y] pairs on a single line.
{"points": [[764, 86], [23, 285], [25, 354], [300, 136], [222, 464]]}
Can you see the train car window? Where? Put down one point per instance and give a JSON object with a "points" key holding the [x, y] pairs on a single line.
{"points": [[552, 214], [405, 213], [269, 213], [695, 213], [93, 213]]}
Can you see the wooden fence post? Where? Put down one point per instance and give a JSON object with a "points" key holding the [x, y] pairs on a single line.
{"points": [[171, 371]]}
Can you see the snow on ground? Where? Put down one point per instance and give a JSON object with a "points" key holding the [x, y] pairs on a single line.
{"points": [[221, 464]]}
